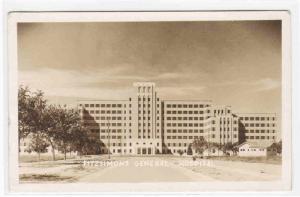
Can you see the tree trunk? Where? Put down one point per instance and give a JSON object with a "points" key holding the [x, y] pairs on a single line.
{"points": [[39, 156], [19, 145], [52, 147], [65, 152], [53, 153], [39, 152]]}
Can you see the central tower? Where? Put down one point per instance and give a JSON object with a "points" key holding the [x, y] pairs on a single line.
{"points": [[146, 111]]}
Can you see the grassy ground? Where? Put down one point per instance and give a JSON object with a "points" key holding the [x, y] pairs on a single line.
{"points": [[43, 177], [221, 168], [269, 160], [34, 157]]}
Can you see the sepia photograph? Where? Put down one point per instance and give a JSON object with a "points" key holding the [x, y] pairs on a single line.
{"points": [[149, 101]]}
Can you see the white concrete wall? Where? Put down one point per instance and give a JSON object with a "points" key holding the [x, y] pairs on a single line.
{"points": [[247, 151]]}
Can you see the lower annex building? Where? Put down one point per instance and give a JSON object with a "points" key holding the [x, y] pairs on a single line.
{"points": [[145, 124]]}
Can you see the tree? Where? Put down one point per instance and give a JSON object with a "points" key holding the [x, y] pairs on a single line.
{"points": [[200, 145], [37, 144], [227, 147], [52, 125], [68, 122], [31, 107], [180, 152], [189, 150], [23, 110], [277, 146]]}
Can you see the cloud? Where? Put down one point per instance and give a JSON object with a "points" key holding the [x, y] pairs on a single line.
{"points": [[258, 85], [267, 84], [67, 83], [105, 84]]}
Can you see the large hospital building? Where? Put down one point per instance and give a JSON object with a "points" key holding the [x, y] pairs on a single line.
{"points": [[145, 124]]}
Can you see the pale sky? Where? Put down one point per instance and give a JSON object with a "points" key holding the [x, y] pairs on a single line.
{"points": [[231, 63]]}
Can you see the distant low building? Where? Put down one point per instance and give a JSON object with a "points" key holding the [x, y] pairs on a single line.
{"points": [[213, 151], [251, 149]]}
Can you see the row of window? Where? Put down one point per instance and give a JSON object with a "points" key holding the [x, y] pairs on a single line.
{"points": [[146, 112], [185, 118], [144, 105], [111, 137], [86, 112], [104, 112], [130, 144], [259, 125], [120, 130], [182, 137], [114, 131], [146, 99], [185, 124], [196, 137], [260, 137], [144, 130], [225, 129], [149, 124], [222, 111], [177, 144], [147, 118], [257, 118], [111, 118], [146, 137], [102, 105], [224, 136], [260, 131], [186, 105], [252, 149], [225, 122], [187, 112], [114, 124], [144, 89], [104, 118], [185, 131]]}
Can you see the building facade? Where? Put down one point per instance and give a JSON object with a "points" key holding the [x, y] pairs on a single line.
{"points": [[259, 127], [146, 125]]}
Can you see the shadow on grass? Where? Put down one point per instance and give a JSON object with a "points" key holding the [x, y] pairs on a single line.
{"points": [[44, 177]]}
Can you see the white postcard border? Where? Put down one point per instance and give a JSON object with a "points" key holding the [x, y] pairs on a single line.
{"points": [[284, 184]]}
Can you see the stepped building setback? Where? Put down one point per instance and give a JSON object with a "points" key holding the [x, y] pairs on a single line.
{"points": [[146, 125]]}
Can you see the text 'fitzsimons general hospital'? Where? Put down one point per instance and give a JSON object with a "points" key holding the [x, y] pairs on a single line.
{"points": [[145, 124]]}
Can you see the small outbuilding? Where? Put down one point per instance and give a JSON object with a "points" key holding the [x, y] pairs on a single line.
{"points": [[252, 149]]}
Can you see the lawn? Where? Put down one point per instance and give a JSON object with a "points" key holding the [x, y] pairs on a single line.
{"points": [[44, 157], [269, 160]]}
